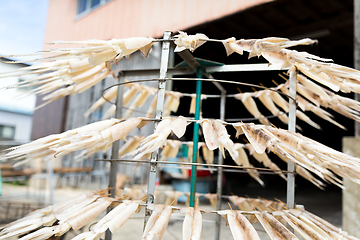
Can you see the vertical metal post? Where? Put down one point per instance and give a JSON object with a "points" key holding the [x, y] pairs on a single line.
{"points": [[357, 52], [51, 180], [115, 148], [158, 115], [220, 170], [290, 198], [199, 73]]}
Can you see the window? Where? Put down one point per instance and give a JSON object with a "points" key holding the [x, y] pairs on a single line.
{"points": [[27, 88], [7, 132], [86, 6]]}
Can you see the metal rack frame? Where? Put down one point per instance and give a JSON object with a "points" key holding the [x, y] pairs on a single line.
{"points": [[195, 67]]}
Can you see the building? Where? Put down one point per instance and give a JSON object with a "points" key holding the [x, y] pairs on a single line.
{"points": [[16, 108]]}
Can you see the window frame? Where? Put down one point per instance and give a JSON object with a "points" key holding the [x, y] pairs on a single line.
{"points": [[13, 135], [24, 89], [88, 8]]}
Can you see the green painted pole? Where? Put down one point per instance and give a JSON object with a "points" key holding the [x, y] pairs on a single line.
{"points": [[199, 74]]}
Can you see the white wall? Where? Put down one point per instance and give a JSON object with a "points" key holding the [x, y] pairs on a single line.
{"points": [[15, 110], [21, 122], [9, 98]]}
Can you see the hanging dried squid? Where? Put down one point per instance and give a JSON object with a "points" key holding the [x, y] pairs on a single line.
{"points": [[334, 76], [158, 138], [158, 221], [192, 223], [74, 70], [93, 137], [308, 153], [191, 42]]}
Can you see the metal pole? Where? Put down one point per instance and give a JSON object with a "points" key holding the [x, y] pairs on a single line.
{"points": [[199, 73], [290, 198], [220, 170], [115, 148], [158, 115], [51, 180], [357, 53]]}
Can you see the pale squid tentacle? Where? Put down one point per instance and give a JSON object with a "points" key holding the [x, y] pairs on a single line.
{"points": [[192, 223], [157, 225], [83, 76], [158, 138], [170, 150], [46, 217], [107, 136], [109, 95], [110, 112], [116, 217], [42, 145], [320, 112], [152, 106], [264, 97], [334, 76], [140, 100], [302, 228], [91, 212], [280, 229], [80, 67], [300, 114], [135, 193], [308, 94], [130, 145], [334, 232], [212, 198], [272, 233], [295, 147], [245, 224], [239, 225], [264, 159], [172, 197], [224, 139], [313, 87], [250, 105], [172, 102], [299, 214], [193, 103], [243, 160], [208, 154]]}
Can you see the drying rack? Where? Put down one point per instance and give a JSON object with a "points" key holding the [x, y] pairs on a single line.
{"points": [[193, 66]]}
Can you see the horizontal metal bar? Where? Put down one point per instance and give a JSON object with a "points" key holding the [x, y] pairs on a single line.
{"points": [[243, 68], [197, 79], [216, 84], [208, 169], [196, 164], [209, 69], [155, 71], [173, 39]]}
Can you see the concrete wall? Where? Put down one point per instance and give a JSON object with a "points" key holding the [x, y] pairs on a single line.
{"points": [[351, 196]]}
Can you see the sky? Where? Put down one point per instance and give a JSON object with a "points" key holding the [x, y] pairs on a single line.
{"points": [[22, 26]]}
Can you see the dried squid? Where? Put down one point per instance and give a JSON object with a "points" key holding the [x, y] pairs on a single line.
{"points": [[158, 138]]}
